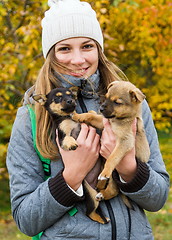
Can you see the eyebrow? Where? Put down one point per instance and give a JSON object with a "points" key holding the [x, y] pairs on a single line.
{"points": [[67, 44]]}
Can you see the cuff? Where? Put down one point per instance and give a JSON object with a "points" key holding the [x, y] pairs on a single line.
{"points": [[61, 192], [139, 180], [79, 192]]}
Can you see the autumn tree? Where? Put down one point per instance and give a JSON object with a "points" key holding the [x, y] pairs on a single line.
{"points": [[138, 38], [20, 58]]}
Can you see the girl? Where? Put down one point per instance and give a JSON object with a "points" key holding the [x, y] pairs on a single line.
{"points": [[72, 44]]}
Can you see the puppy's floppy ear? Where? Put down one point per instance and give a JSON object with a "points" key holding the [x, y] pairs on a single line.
{"points": [[40, 98], [137, 95], [110, 85], [74, 90]]}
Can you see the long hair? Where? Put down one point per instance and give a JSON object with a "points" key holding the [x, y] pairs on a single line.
{"points": [[47, 80]]}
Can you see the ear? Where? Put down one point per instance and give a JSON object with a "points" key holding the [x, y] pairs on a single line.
{"points": [[137, 95], [110, 85], [74, 90], [40, 98]]}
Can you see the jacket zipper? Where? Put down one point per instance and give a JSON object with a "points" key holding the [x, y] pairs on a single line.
{"points": [[108, 205], [112, 219]]}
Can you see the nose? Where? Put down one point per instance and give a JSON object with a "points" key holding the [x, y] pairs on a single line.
{"points": [[70, 101], [77, 58], [102, 107]]}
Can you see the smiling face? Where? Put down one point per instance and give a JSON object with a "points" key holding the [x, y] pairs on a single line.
{"points": [[79, 56]]}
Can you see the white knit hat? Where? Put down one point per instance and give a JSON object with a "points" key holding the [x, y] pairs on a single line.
{"points": [[66, 19]]}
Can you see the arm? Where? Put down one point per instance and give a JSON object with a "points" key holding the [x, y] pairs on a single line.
{"points": [[31, 198]]}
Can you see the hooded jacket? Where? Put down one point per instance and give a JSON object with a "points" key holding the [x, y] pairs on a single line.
{"points": [[39, 205]]}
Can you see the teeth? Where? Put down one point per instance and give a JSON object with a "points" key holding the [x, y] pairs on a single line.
{"points": [[79, 71]]}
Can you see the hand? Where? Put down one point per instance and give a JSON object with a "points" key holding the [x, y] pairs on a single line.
{"points": [[127, 166], [77, 163], [108, 139]]}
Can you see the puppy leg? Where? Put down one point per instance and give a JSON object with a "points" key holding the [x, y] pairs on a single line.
{"points": [[92, 205], [112, 191], [142, 145], [121, 149], [109, 192], [67, 142], [90, 118]]}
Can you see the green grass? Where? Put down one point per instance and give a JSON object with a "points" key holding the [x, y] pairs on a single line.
{"points": [[160, 221], [9, 231]]}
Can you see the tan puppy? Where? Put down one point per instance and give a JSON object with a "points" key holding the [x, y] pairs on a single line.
{"points": [[121, 107]]}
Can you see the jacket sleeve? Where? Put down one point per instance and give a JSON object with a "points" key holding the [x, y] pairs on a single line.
{"points": [[150, 186], [34, 207]]}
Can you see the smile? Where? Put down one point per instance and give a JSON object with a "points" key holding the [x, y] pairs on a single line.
{"points": [[79, 72]]}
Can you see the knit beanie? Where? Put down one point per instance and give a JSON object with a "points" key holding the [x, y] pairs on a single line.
{"points": [[67, 19]]}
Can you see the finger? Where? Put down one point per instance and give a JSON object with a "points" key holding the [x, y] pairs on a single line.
{"points": [[83, 133], [134, 126], [91, 134], [107, 126], [57, 139]]}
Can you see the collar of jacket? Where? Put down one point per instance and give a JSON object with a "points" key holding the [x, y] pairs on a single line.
{"points": [[89, 87]]}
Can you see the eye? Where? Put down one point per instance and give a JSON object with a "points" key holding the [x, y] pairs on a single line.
{"points": [[57, 99], [62, 49], [88, 46], [117, 102]]}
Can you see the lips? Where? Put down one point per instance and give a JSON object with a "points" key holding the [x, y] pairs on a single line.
{"points": [[79, 72]]}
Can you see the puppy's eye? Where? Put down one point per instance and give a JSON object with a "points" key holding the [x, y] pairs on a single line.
{"points": [[57, 99], [117, 102]]}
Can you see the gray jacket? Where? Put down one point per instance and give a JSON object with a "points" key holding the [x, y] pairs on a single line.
{"points": [[36, 208]]}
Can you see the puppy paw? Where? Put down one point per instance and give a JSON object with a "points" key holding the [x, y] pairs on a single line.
{"points": [[99, 196], [75, 117], [91, 111], [69, 143]]}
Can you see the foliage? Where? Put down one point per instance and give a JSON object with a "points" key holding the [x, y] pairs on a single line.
{"points": [[20, 58], [137, 37]]}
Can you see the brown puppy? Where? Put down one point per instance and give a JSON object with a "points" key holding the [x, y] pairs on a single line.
{"points": [[121, 107]]}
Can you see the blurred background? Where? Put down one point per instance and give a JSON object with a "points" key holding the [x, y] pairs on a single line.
{"points": [[138, 38]]}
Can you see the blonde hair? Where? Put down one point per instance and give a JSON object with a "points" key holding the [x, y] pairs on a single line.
{"points": [[47, 80]]}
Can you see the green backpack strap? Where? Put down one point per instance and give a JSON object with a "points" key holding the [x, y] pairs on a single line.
{"points": [[45, 162]]}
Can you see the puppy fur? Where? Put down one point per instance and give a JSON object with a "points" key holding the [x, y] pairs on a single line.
{"points": [[122, 105], [60, 103]]}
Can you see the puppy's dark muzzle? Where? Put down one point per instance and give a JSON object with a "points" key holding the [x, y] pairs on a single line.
{"points": [[102, 108], [69, 106], [105, 110]]}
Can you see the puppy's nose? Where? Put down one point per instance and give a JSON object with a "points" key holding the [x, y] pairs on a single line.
{"points": [[102, 107], [69, 101]]}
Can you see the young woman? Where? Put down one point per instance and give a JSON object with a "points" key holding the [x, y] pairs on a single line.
{"points": [[73, 50]]}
